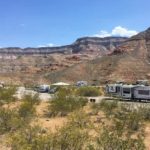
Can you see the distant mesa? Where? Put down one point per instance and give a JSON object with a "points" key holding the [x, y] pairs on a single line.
{"points": [[101, 46]]}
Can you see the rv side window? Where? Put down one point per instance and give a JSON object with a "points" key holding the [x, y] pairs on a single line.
{"points": [[143, 92], [126, 90]]}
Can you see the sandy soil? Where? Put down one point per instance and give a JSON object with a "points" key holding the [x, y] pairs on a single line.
{"points": [[147, 136], [51, 124]]}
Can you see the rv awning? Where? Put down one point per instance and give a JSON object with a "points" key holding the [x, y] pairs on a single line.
{"points": [[60, 83]]}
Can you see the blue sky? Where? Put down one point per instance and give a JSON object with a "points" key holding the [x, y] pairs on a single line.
{"points": [[33, 23]]}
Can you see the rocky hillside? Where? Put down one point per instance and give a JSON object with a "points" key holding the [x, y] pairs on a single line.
{"points": [[123, 59], [33, 64], [128, 62]]}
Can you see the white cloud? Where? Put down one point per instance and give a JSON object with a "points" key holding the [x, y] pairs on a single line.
{"points": [[117, 31], [47, 45], [103, 34]]}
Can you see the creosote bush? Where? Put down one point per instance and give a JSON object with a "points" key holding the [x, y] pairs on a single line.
{"points": [[124, 129], [75, 135], [107, 107], [7, 95], [9, 120], [64, 103], [69, 137], [110, 139], [145, 113], [29, 138], [27, 108], [32, 99], [79, 119], [88, 91]]}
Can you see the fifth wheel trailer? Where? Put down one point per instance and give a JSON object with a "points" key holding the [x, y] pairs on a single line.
{"points": [[125, 91]]}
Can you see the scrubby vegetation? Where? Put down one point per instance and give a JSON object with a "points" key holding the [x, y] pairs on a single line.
{"points": [[109, 125], [12, 119], [77, 134], [65, 102], [7, 95], [27, 108], [89, 91], [9, 120]]}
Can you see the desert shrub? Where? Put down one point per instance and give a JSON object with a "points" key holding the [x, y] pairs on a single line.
{"points": [[88, 91], [31, 138], [134, 120], [74, 135], [71, 138], [27, 108], [67, 138], [7, 94], [110, 139], [32, 99], [9, 120], [145, 113], [79, 119], [129, 121], [63, 103], [107, 106]]}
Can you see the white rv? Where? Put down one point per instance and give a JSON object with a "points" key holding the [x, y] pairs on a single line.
{"points": [[142, 93]]}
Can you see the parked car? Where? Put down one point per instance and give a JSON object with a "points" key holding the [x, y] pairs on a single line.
{"points": [[43, 88], [81, 83]]}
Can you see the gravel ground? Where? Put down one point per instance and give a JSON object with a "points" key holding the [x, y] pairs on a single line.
{"points": [[23, 91]]}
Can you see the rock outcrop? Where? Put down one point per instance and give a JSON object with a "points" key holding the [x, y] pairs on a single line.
{"points": [[100, 46]]}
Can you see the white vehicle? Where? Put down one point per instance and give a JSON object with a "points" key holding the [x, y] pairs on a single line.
{"points": [[134, 92], [127, 91], [114, 88], [142, 93]]}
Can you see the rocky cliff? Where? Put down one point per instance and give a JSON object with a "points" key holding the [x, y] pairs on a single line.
{"points": [[129, 62], [101, 46], [123, 59]]}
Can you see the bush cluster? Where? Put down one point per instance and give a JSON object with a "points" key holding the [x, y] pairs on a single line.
{"points": [[7, 95], [9, 120], [88, 91], [27, 108], [64, 103], [75, 135], [12, 119]]}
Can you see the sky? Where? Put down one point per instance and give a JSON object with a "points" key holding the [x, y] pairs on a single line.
{"points": [[35, 23]]}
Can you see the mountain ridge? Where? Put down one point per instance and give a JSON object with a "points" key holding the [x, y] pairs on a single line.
{"points": [[100, 60], [77, 46]]}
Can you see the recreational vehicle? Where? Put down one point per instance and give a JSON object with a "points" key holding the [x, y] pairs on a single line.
{"points": [[125, 91]]}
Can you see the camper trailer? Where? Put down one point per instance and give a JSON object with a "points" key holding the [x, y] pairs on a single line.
{"points": [[127, 91], [138, 91], [142, 93], [114, 89]]}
